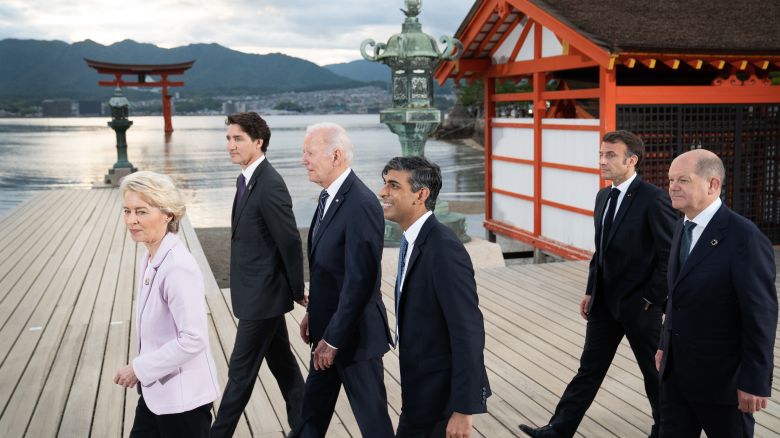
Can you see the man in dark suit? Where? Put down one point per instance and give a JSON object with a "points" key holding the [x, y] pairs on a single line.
{"points": [[440, 331], [626, 284], [717, 345], [345, 322], [266, 275]]}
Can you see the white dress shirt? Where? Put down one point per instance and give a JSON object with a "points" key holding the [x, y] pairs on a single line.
{"points": [[250, 170], [702, 220], [623, 187], [411, 234], [334, 187]]}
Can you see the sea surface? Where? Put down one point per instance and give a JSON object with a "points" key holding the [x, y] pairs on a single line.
{"points": [[49, 153]]}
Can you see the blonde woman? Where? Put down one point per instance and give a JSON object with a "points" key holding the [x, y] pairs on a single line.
{"points": [[173, 372]]}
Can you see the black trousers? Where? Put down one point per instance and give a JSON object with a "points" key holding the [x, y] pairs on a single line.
{"points": [[602, 337], [194, 423], [257, 340], [684, 418], [364, 383], [435, 429]]}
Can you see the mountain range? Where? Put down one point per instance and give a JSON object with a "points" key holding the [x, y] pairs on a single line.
{"points": [[35, 69]]}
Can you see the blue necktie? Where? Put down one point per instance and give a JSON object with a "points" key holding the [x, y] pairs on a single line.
{"points": [[399, 278], [320, 210], [685, 242], [240, 188]]}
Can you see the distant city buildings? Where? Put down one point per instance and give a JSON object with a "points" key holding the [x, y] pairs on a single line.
{"points": [[59, 108]]}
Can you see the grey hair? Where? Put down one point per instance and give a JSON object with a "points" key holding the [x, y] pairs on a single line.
{"points": [[159, 191], [711, 165], [335, 137]]}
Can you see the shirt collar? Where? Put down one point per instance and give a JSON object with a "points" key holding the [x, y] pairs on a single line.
{"points": [[334, 187], [250, 170], [704, 218], [413, 231], [623, 187]]}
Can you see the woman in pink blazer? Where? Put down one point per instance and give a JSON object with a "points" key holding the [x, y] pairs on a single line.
{"points": [[174, 371]]}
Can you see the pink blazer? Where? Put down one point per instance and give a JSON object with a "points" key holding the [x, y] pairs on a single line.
{"points": [[174, 366]]}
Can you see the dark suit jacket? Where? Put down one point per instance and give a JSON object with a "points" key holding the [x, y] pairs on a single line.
{"points": [[636, 250], [441, 331], [721, 317], [266, 260], [345, 303]]}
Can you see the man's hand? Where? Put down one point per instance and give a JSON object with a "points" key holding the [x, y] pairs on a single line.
{"points": [[304, 301], [584, 307], [749, 403], [323, 356], [305, 328], [459, 426], [125, 376], [659, 355]]}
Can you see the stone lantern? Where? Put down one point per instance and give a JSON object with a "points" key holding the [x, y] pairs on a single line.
{"points": [[119, 111], [412, 56]]}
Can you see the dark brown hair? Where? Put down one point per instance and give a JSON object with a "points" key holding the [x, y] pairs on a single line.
{"points": [[634, 144], [254, 126]]}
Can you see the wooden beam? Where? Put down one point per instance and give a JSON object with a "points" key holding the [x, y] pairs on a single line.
{"points": [[486, 40], [588, 93], [549, 64], [705, 94], [648, 62], [521, 40], [718, 64], [139, 84], [478, 21], [506, 33], [575, 38], [475, 65], [696, 64], [740, 64], [490, 114], [763, 65], [512, 97], [674, 64], [630, 62]]}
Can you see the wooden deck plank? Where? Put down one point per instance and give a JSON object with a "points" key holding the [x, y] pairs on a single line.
{"points": [[32, 334]]}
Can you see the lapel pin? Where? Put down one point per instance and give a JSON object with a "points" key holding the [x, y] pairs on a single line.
{"points": [[714, 242], [337, 201], [146, 281]]}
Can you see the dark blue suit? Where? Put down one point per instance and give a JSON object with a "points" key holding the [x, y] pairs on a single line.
{"points": [[346, 310], [441, 335], [719, 331]]}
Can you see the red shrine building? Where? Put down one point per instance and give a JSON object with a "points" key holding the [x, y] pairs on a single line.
{"points": [[682, 75], [144, 72]]}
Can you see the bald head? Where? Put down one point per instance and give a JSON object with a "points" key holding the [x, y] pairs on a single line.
{"points": [[695, 181]]}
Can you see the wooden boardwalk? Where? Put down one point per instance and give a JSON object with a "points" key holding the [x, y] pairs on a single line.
{"points": [[67, 281]]}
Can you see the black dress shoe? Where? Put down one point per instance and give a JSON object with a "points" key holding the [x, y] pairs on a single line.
{"points": [[540, 432]]}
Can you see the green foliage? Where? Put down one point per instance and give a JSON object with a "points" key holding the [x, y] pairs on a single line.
{"points": [[197, 104]]}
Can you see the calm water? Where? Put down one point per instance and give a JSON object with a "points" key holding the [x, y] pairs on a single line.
{"points": [[41, 154]]}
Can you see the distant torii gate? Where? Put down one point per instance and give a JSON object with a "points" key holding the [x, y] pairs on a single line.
{"points": [[142, 70]]}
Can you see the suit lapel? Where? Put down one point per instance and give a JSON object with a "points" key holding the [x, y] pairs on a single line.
{"points": [[169, 241], [419, 248], [625, 205], [337, 202], [707, 243], [673, 264], [238, 204]]}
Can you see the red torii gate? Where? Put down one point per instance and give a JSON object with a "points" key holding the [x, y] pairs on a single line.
{"points": [[143, 70]]}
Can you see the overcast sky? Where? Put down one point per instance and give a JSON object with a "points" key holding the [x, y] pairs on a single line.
{"points": [[321, 31]]}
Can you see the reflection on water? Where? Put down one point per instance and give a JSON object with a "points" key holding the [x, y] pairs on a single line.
{"points": [[39, 154]]}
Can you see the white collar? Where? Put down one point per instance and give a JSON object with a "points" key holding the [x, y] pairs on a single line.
{"points": [[413, 231], [623, 187], [334, 187], [250, 170], [704, 218]]}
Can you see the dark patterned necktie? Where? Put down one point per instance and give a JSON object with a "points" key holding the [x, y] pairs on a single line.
{"points": [[399, 278], [240, 188], [320, 210], [685, 242]]}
